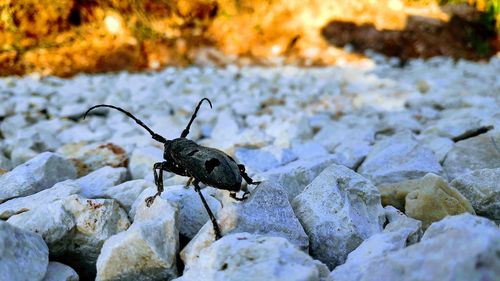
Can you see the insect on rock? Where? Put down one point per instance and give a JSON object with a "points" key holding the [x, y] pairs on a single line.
{"points": [[201, 164]]}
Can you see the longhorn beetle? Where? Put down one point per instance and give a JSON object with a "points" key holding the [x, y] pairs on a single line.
{"points": [[201, 164]]}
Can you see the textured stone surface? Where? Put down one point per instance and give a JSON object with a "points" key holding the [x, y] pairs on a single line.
{"points": [[244, 256], [338, 210], [23, 255], [39, 173], [147, 250], [60, 272], [399, 158], [481, 152], [22, 204], [458, 248], [267, 211], [93, 184], [482, 189]]}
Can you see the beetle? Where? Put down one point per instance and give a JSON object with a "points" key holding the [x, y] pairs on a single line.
{"points": [[201, 164]]}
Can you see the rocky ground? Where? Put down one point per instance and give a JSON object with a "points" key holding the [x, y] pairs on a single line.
{"points": [[370, 172]]}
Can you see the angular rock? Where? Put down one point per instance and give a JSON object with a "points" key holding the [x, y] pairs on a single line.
{"points": [[427, 199], [39, 173], [295, 176], [399, 158], [481, 152], [338, 209], [192, 214], [127, 193], [458, 248], [399, 233], [142, 160], [263, 159], [60, 272], [90, 157], [94, 184], [482, 189], [267, 211], [51, 221], [147, 250], [23, 255], [22, 204], [96, 220], [309, 150], [244, 256], [439, 145]]}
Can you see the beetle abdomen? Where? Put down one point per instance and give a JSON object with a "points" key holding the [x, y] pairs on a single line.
{"points": [[209, 165]]}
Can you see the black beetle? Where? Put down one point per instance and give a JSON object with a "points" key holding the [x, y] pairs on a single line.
{"points": [[201, 164]]}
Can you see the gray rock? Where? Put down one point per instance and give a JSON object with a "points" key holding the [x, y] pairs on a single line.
{"points": [[295, 176], [338, 209], [263, 159], [439, 145], [309, 150], [22, 204], [482, 188], [267, 211], [481, 152], [147, 250], [23, 255], [5, 162], [244, 256], [51, 221], [39, 173], [127, 193], [463, 247], [192, 214], [94, 184], [96, 220], [399, 158], [60, 272], [399, 233]]}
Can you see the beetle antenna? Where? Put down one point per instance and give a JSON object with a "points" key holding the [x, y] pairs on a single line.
{"points": [[186, 131], [155, 136]]}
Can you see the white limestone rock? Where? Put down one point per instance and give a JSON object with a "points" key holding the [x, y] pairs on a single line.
{"points": [[263, 159], [399, 158], [126, 193], [267, 212], [94, 184], [57, 271], [339, 209], [23, 255], [147, 250], [22, 204], [244, 256], [142, 161], [39, 173]]}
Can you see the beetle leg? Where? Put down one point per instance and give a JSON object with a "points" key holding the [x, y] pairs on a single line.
{"points": [[210, 214], [244, 197], [245, 175], [188, 183], [158, 182]]}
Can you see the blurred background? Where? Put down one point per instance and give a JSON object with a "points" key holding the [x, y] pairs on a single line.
{"points": [[65, 37]]}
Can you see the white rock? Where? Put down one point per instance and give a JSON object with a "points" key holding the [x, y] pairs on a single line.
{"points": [[147, 250], [142, 161], [94, 184], [23, 255], [462, 247], [267, 211], [39, 173], [243, 256], [51, 221], [126, 193], [309, 150], [439, 145], [5, 162], [21, 154], [263, 159], [60, 272], [399, 158], [479, 152], [399, 233], [192, 214], [338, 209], [96, 220], [22, 204], [295, 176], [482, 188]]}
